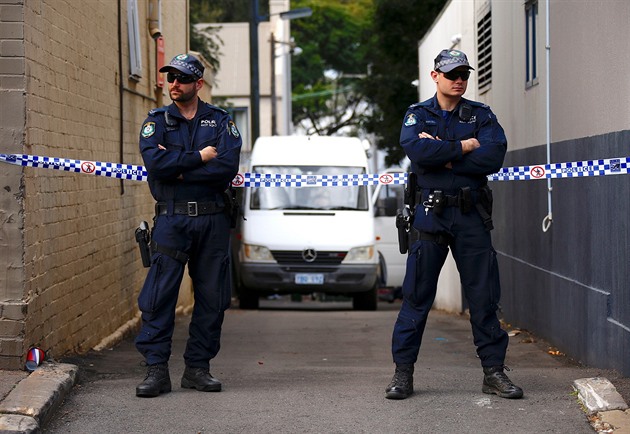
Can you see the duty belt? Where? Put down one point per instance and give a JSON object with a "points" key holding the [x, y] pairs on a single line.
{"points": [[191, 209]]}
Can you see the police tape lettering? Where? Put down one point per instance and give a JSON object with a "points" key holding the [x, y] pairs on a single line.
{"points": [[576, 169]]}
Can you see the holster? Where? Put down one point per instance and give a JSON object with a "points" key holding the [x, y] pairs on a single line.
{"points": [[484, 206], [405, 216], [232, 206], [465, 200], [403, 224], [143, 238]]}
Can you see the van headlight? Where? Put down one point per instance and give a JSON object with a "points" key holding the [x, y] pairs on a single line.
{"points": [[360, 254], [257, 253]]}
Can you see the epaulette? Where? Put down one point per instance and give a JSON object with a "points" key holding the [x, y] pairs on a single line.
{"points": [[219, 109], [477, 104], [157, 111]]}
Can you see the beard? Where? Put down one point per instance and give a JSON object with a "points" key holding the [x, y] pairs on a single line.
{"points": [[180, 96]]}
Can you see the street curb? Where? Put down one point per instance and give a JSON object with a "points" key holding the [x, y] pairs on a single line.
{"points": [[598, 394], [34, 399]]}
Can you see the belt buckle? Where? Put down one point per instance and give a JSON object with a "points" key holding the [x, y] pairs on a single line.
{"points": [[192, 209]]}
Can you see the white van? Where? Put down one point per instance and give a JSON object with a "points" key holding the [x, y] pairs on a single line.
{"points": [[308, 239], [388, 199]]}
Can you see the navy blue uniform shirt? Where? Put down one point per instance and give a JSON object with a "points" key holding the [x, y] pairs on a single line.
{"points": [[178, 173], [430, 156]]}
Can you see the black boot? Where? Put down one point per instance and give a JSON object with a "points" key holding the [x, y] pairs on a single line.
{"points": [[495, 381], [156, 381], [200, 379], [402, 383]]}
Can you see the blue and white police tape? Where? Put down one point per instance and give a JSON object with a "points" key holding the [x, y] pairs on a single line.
{"points": [[576, 169], [98, 168]]}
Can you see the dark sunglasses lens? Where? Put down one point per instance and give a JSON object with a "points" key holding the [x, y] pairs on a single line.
{"points": [[454, 75], [182, 78]]}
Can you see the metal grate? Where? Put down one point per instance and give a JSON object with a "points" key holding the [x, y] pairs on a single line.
{"points": [[484, 51], [295, 257]]}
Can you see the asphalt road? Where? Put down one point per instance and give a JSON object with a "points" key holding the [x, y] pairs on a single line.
{"points": [[319, 367]]}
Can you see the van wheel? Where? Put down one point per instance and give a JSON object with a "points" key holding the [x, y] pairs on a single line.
{"points": [[248, 300], [365, 300]]}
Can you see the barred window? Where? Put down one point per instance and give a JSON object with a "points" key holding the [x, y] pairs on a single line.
{"points": [[484, 51]]}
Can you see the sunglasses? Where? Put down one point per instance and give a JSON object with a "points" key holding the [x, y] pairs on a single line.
{"points": [[182, 78], [454, 75]]}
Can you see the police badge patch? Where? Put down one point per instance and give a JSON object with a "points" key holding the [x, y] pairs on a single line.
{"points": [[148, 129], [411, 120], [232, 129]]}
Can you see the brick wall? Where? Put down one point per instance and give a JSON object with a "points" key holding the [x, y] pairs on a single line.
{"points": [[12, 129], [73, 269]]}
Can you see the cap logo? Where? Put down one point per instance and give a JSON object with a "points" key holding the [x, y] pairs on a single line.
{"points": [[182, 57], [455, 53]]}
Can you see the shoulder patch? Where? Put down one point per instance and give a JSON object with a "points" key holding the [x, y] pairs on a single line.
{"points": [[411, 120], [148, 129], [231, 126]]}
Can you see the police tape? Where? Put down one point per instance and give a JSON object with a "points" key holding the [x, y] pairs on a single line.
{"points": [[576, 169]]}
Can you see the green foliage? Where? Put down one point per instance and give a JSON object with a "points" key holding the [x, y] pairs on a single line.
{"points": [[397, 26], [326, 97]]}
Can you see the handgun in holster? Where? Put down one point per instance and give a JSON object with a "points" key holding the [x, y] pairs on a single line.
{"points": [[232, 206], [143, 238], [405, 216]]}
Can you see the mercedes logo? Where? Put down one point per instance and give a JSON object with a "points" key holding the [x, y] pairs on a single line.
{"points": [[309, 254]]}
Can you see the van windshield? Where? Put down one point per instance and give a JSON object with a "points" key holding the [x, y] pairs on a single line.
{"points": [[353, 198]]}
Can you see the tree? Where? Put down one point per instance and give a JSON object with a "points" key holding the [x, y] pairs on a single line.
{"points": [[326, 97], [396, 28]]}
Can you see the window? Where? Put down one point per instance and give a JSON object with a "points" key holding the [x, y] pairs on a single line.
{"points": [[531, 66], [133, 32], [484, 51], [346, 198]]}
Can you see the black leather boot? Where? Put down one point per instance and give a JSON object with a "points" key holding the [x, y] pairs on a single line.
{"points": [[497, 382], [402, 383], [156, 381], [200, 379]]}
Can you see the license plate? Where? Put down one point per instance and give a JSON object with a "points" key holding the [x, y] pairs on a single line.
{"points": [[309, 279]]}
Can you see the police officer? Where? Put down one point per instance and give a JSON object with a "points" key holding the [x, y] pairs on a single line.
{"points": [[453, 144], [191, 151]]}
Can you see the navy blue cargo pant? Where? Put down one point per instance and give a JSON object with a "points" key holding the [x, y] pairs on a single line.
{"points": [[205, 239], [477, 265]]}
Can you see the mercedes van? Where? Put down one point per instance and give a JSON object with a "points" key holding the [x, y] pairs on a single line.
{"points": [[307, 237]]}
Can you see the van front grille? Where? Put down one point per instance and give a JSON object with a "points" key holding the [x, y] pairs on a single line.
{"points": [[297, 257]]}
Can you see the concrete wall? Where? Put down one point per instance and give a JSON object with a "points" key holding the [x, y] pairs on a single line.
{"points": [[571, 284], [73, 269]]}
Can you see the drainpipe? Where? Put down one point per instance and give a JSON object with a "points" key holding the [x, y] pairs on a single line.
{"points": [[154, 19], [121, 91], [546, 223]]}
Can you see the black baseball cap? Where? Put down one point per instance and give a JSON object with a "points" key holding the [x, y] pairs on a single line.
{"points": [[186, 64], [448, 60]]}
